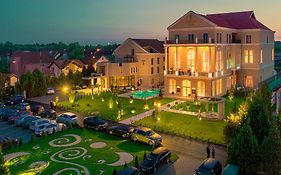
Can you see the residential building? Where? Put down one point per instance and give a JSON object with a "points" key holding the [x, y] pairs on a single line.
{"points": [[138, 63], [23, 61], [58, 67], [207, 54], [10, 79]]}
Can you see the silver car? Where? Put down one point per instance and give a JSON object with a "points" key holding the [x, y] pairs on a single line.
{"points": [[37, 123], [49, 128], [21, 119], [68, 118]]}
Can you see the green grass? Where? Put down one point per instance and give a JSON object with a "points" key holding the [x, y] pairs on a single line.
{"points": [[187, 126], [114, 144], [101, 104]]}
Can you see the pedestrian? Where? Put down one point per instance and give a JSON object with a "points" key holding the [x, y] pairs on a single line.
{"points": [[213, 151], [208, 151]]}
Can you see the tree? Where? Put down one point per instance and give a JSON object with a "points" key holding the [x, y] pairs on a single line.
{"points": [[84, 71], [3, 168], [271, 150], [243, 150]]}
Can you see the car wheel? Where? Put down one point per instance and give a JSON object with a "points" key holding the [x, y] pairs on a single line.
{"points": [[135, 138], [151, 143], [110, 132]]}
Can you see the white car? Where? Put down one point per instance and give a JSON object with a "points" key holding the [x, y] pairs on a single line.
{"points": [[39, 122], [49, 128], [67, 118], [50, 91]]}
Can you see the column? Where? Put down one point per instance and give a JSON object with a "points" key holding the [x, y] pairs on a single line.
{"points": [[196, 58], [166, 61], [210, 57]]}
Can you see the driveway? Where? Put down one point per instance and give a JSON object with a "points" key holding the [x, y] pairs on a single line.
{"points": [[9, 130]]}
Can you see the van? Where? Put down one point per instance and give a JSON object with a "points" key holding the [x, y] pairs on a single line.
{"points": [[209, 166]]}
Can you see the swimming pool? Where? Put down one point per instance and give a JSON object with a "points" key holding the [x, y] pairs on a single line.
{"points": [[146, 94]]}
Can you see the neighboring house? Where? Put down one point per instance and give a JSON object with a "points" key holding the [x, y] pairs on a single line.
{"points": [[11, 79], [138, 62], [207, 54], [58, 67], [91, 59], [23, 61]]}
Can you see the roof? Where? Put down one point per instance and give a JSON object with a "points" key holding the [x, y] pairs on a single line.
{"points": [[233, 20], [236, 20], [151, 45], [63, 63], [32, 57]]}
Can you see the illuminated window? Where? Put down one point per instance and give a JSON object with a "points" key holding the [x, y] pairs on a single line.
{"points": [[205, 62], [219, 63], [201, 88], [272, 54], [261, 56], [186, 88], [172, 86], [249, 81], [213, 88], [191, 60], [219, 86], [246, 55], [251, 53]]}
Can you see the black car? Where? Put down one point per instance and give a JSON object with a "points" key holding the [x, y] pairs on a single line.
{"points": [[157, 158], [16, 100], [95, 122], [49, 114], [129, 171], [121, 130], [209, 166]]}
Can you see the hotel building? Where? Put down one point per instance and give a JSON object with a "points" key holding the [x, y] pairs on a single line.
{"points": [[207, 54]]}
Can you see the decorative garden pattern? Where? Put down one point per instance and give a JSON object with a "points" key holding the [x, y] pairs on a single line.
{"points": [[72, 153]]}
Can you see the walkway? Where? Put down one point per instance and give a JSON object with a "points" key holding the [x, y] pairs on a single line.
{"points": [[149, 113]]}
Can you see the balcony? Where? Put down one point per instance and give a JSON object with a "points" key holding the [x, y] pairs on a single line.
{"points": [[196, 41], [193, 74]]}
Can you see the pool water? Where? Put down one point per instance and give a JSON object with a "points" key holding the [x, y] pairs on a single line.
{"points": [[146, 94]]}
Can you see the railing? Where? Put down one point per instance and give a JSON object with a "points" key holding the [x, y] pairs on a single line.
{"points": [[198, 41], [194, 74]]}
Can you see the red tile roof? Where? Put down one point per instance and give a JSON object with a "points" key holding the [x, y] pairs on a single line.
{"points": [[63, 63], [32, 57], [236, 20], [157, 45]]}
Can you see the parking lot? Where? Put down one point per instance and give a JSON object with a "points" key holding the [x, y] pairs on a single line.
{"points": [[10, 130]]}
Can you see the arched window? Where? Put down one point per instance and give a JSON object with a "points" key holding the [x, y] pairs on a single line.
{"points": [[186, 88], [191, 60], [201, 88], [172, 86]]}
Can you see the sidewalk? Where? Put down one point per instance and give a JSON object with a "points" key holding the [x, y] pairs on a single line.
{"points": [[149, 113]]}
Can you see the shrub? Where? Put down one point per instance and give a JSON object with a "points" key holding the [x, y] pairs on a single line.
{"points": [[229, 131], [125, 165]]}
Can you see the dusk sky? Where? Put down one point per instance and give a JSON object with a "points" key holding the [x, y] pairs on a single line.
{"points": [[102, 21]]}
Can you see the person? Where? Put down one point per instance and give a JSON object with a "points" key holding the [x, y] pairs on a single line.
{"points": [[213, 151], [208, 151]]}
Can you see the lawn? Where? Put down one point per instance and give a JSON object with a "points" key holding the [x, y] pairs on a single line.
{"points": [[70, 151], [186, 126], [106, 105]]}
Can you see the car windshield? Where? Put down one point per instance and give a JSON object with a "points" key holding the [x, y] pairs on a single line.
{"points": [[72, 116], [41, 127], [149, 133]]}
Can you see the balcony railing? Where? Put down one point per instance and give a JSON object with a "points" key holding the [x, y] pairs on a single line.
{"points": [[194, 74], [198, 41]]}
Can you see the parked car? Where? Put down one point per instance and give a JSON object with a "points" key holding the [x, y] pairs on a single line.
{"points": [[67, 118], [49, 114], [50, 91], [129, 171], [22, 107], [209, 166], [146, 135], [16, 100], [38, 109], [157, 158], [20, 121], [28, 121], [13, 118], [6, 142], [95, 123], [8, 113], [49, 128], [121, 130], [38, 122]]}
